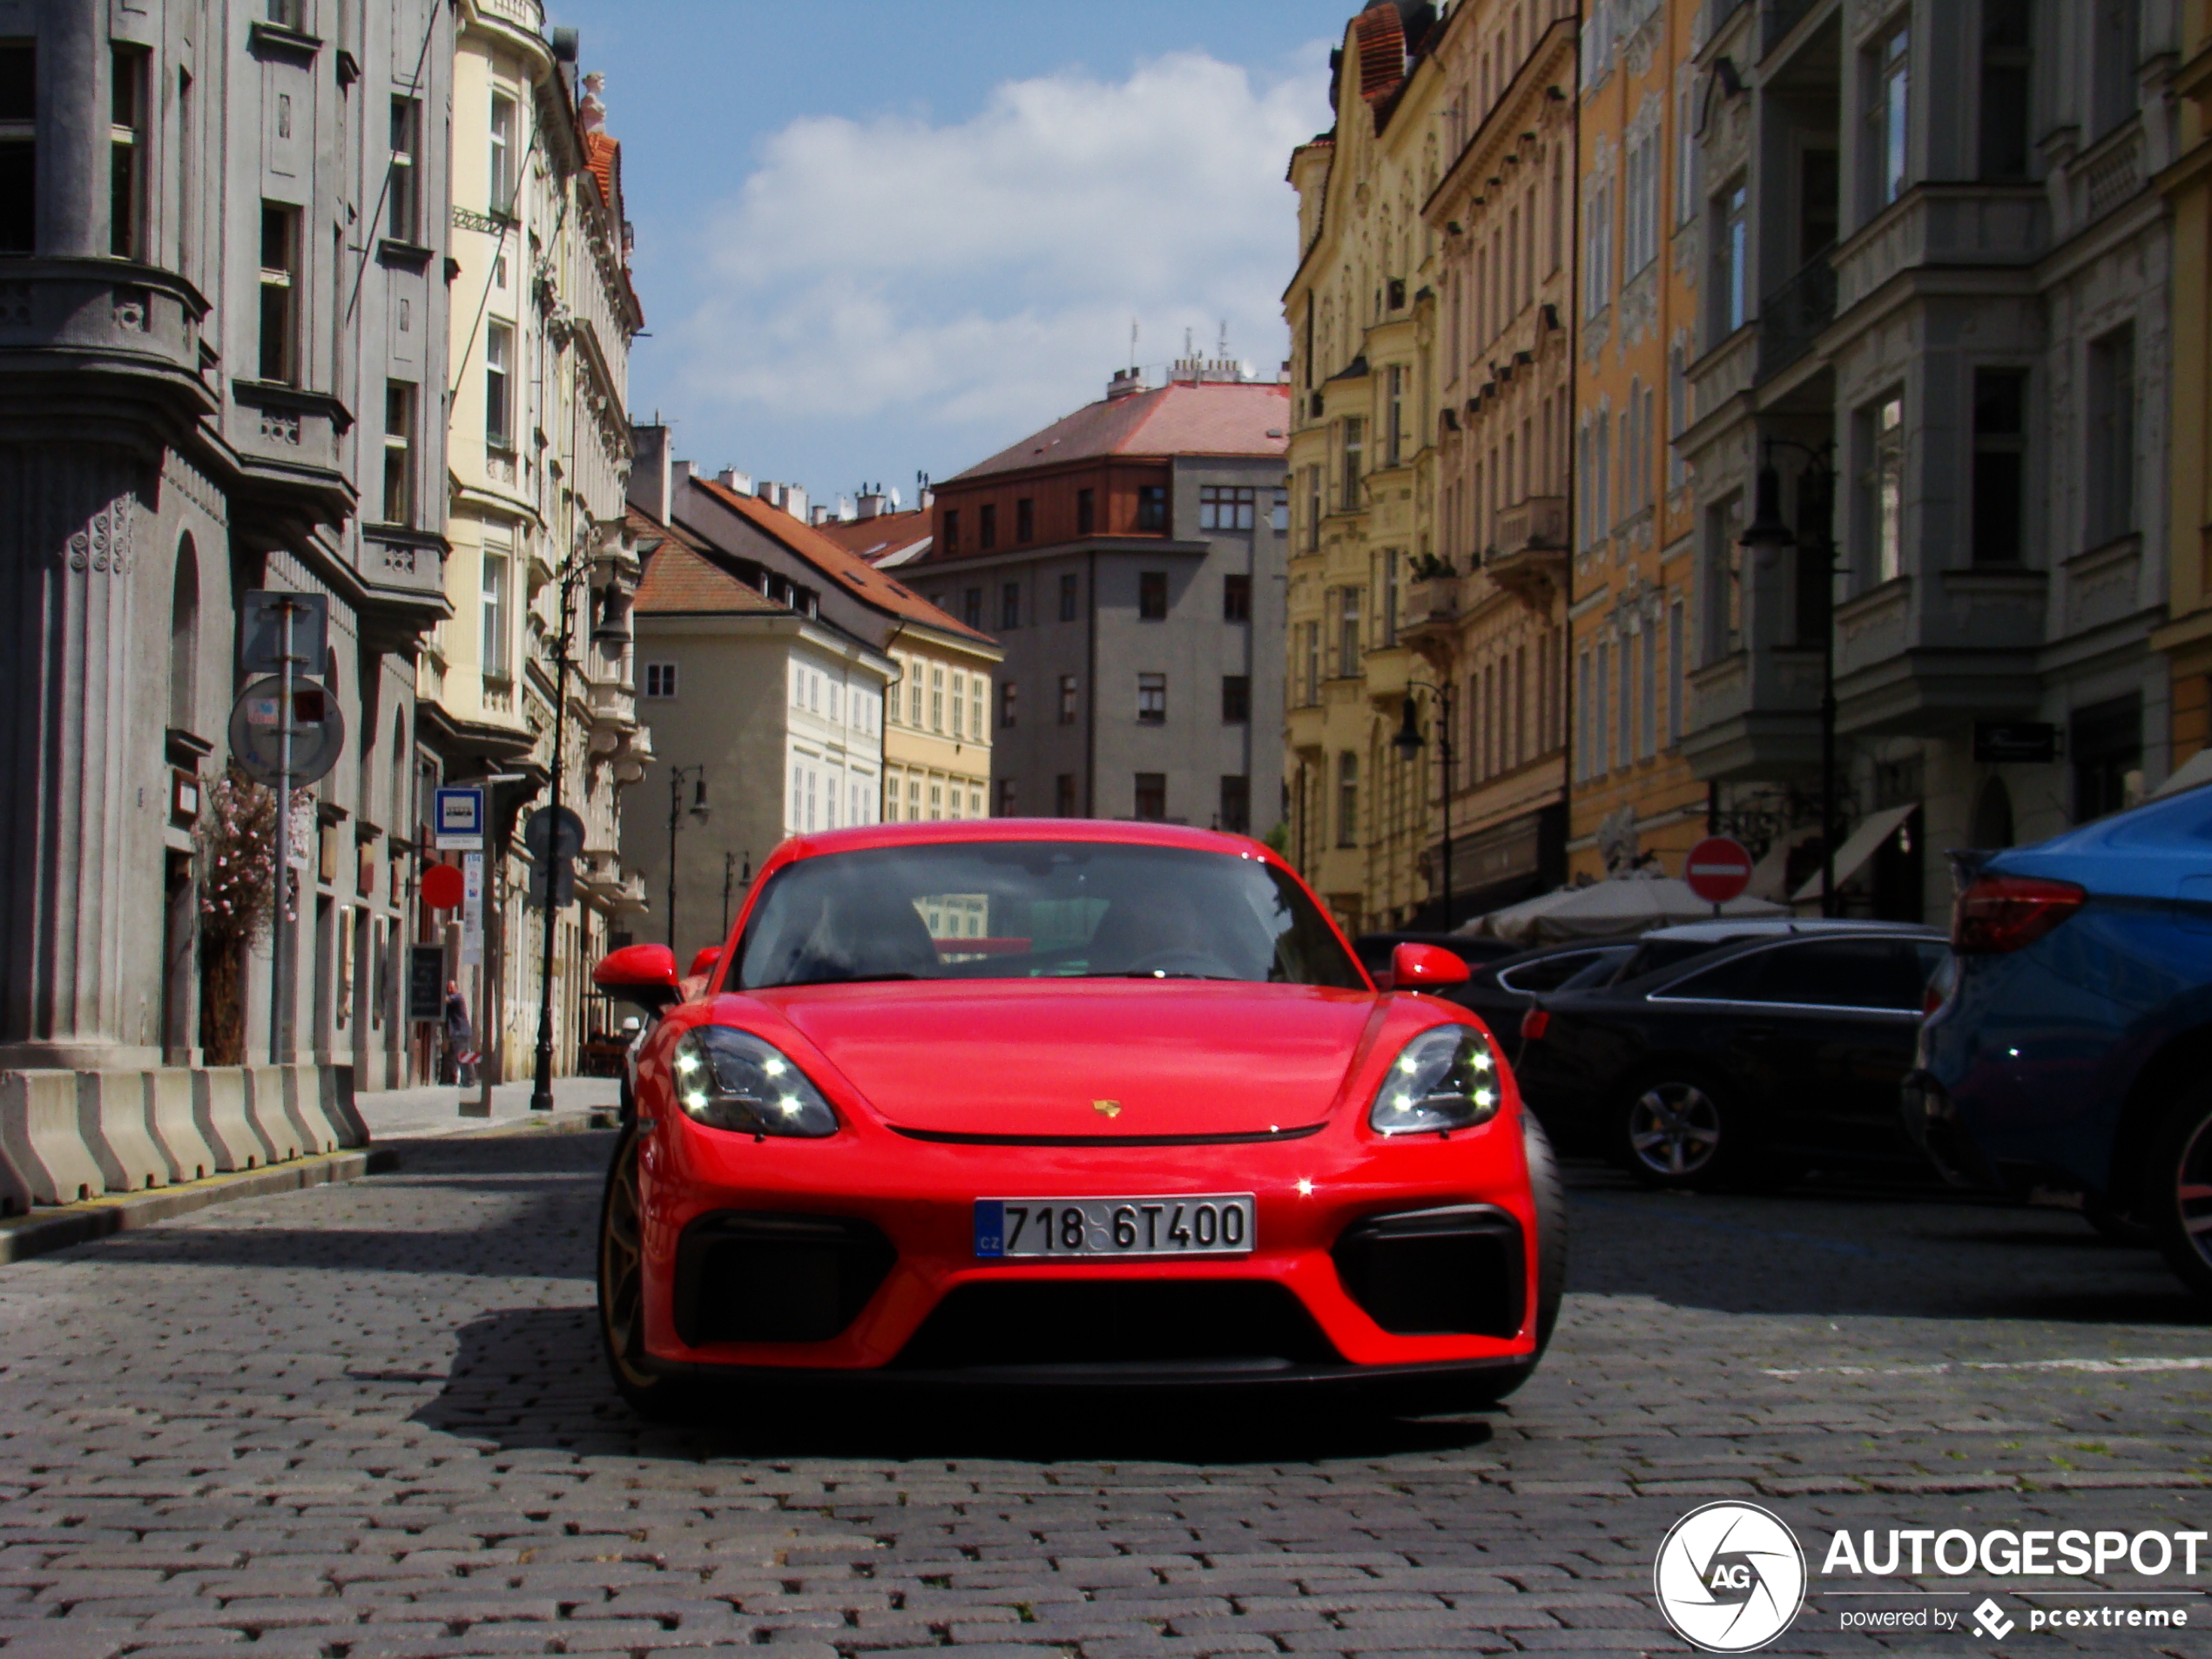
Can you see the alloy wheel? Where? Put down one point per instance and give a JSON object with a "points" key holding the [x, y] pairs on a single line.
{"points": [[2193, 1190], [1675, 1130], [621, 1297]]}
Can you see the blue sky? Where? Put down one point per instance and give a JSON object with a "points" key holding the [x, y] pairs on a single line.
{"points": [[876, 238]]}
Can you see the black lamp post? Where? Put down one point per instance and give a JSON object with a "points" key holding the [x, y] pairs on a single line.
{"points": [[698, 809], [573, 574], [1768, 530], [1409, 742], [731, 880]]}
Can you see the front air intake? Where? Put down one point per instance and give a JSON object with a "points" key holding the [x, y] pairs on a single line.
{"points": [[1452, 1272], [746, 1275], [1029, 1322]]}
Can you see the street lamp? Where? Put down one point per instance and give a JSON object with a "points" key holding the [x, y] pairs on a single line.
{"points": [[1769, 531], [1409, 742], [698, 809], [573, 573], [732, 880]]}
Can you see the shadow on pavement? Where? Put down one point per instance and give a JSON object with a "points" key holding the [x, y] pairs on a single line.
{"points": [[532, 1378]]}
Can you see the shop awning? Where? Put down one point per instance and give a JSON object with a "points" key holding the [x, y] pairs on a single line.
{"points": [[1874, 829]]}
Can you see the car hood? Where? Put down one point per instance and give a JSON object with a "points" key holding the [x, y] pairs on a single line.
{"points": [[1106, 1060]]}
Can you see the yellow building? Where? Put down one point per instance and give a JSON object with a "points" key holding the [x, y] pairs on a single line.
{"points": [[1361, 457], [1490, 612], [2187, 182]]}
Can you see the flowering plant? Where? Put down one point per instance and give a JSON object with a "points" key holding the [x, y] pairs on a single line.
{"points": [[236, 837]]}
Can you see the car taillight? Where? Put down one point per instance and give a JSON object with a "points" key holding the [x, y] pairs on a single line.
{"points": [[1534, 1023], [1998, 914]]}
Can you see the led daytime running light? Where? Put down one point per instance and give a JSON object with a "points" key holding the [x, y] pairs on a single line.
{"points": [[1445, 1079]]}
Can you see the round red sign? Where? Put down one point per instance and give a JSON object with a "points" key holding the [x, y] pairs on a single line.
{"points": [[1719, 869], [442, 887]]}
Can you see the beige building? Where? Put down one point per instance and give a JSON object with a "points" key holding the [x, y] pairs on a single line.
{"points": [[1362, 460], [538, 454]]}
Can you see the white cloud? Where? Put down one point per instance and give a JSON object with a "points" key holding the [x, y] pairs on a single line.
{"points": [[979, 279]]}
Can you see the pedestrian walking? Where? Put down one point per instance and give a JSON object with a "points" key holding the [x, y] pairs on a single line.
{"points": [[460, 1058]]}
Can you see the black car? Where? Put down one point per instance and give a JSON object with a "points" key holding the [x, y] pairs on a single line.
{"points": [[1500, 991], [1746, 1062], [1373, 949]]}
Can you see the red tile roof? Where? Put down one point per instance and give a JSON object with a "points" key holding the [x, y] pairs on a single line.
{"points": [[602, 156], [679, 580], [872, 538], [1184, 418], [843, 570], [1381, 34]]}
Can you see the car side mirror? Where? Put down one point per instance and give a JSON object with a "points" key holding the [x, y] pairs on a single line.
{"points": [[704, 962], [1427, 967], [644, 975]]}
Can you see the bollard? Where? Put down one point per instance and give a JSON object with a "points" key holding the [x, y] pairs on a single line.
{"points": [[39, 1136], [218, 1113], [303, 1110], [338, 1105], [172, 1120], [265, 1111], [111, 1120]]}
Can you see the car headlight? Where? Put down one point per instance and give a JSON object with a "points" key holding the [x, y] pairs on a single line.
{"points": [[730, 1079], [1443, 1079]]}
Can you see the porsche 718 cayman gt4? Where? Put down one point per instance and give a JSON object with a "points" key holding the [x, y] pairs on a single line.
{"points": [[1067, 1102]]}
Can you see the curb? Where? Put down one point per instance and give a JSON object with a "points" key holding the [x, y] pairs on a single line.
{"points": [[25, 1236]]}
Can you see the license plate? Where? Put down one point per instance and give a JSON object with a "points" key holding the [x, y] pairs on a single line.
{"points": [[1215, 1224]]}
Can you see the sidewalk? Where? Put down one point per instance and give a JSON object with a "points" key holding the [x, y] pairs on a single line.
{"points": [[415, 1114]]}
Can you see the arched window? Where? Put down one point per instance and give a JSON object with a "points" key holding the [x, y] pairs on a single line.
{"points": [[183, 637]]}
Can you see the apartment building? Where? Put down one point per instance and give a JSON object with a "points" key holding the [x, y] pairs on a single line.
{"points": [[1361, 455], [1931, 389], [1489, 611], [1636, 797], [1128, 560], [2186, 182]]}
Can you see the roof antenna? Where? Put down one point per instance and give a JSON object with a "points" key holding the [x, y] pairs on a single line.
{"points": [[1222, 351], [1188, 349], [1132, 342]]}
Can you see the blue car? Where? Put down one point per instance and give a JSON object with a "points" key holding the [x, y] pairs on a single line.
{"points": [[2075, 1048]]}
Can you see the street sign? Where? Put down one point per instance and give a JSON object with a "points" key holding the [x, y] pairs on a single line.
{"points": [[458, 825], [1719, 869], [2015, 742], [442, 886], [257, 731], [561, 872], [426, 990], [261, 631], [538, 832]]}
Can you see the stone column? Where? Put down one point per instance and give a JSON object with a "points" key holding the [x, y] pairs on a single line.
{"points": [[73, 151]]}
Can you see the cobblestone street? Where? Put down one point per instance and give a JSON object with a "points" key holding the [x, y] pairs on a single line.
{"points": [[369, 1421]]}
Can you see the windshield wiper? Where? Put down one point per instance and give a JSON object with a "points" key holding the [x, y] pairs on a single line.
{"points": [[1158, 972]]}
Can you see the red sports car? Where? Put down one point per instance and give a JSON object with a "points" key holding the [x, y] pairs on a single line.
{"points": [[1060, 1101]]}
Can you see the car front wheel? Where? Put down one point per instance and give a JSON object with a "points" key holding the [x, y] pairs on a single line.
{"points": [[1680, 1129], [2178, 1190], [622, 1288]]}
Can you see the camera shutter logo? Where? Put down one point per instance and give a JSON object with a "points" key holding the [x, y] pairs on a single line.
{"points": [[1730, 1577]]}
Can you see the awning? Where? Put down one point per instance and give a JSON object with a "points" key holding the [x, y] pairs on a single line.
{"points": [[1874, 829]]}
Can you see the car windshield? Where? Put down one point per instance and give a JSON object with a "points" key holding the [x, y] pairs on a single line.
{"points": [[1037, 910]]}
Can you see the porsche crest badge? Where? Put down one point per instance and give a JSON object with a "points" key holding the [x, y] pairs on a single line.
{"points": [[1107, 1107]]}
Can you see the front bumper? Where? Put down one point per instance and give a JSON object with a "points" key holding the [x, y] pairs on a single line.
{"points": [[855, 1256]]}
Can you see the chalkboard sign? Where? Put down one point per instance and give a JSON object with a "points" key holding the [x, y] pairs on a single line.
{"points": [[426, 990]]}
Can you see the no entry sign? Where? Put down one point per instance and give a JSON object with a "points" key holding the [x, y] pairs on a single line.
{"points": [[1719, 869]]}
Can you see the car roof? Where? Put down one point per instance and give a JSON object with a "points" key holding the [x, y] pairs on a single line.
{"points": [[1123, 832], [1774, 927], [1562, 947], [1728, 950]]}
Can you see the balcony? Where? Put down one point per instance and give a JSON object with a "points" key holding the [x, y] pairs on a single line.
{"points": [[1790, 318], [1530, 559], [528, 16], [1431, 607]]}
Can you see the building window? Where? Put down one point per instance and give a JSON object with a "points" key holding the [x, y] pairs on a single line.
{"points": [[1222, 507], [2007, 82], [1882, 487], [1067, 699], [404, 210], [914, 799], [2105, 743], [1389, 608], [1086, 512], [1152, 794], [1278, 516], [1648, 690], [1152, 596], [1597, 247], [1006, 703], [289, 14], [1236, 699], [2000, 464], [1009, 605], [1395, 433], [1236, 805], [986, 527], [1677, 676], [128, 154], [18, 147], [1731, 274], [1313, 509], [2111, 435], [960, 706], [1889, 91], [1237, 599], [1063, 795], [1347, 800], [1348, 500], [952, 529], [937, 802], [502, 154], [1151, 699], [499, 394], [660, 679], [2118, 54], [971, 607], [497, 663], [280, 293], [1601, 711], [1348, 633], [1152, 507], [1070, 595], [913, 697], [399, 453], [978, 692], [1312, 661], [1025, 520], [936, 700], [1006, 798]]}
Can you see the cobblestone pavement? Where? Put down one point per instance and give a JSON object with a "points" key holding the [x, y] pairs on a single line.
{"points": [[368, 1422]]}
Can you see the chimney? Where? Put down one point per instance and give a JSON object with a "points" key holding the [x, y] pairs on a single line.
{"points": [[649, 478], [794, 503], [737, 483], [872, 505], [679, 480], [1125, 382]]}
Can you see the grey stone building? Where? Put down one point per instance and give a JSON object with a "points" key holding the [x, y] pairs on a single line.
{"points": [[1933, 274], [1131, 560], [223, 341]]}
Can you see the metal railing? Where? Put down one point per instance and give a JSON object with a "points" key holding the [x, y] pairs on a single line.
{"points": [[1790, 318]]}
